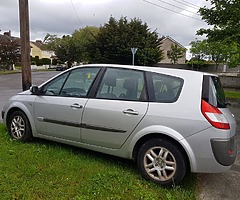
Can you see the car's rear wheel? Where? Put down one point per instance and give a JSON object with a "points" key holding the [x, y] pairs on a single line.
{"points": [[19, 127], [161, 162]]}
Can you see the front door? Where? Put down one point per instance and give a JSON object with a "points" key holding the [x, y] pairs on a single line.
{"points": [[58, 110]]}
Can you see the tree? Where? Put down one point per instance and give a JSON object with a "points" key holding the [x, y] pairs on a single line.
{"points": [[66, 50], [85, 39], [9, 52], [74, 47], [49, 41], [199, 49], [224, 18], [217, 51], [116, 38], [175, 53]]}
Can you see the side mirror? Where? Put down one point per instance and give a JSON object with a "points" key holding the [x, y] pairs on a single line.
{"points": [[35, 90]]}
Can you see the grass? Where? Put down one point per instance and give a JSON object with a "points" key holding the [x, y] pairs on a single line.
{"points": [[232, 94], [47, 170]]}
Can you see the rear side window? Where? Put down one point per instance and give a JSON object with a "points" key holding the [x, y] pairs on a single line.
{"points": [[213, 92], [164, 88], [122, 84]]}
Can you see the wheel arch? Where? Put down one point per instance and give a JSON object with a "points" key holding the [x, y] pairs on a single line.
{"points": [[150, 136], [25, 111]]}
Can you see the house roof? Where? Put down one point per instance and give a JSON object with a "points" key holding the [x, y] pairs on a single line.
{"points": [[38, 44], [174, 41], [5, 38]]}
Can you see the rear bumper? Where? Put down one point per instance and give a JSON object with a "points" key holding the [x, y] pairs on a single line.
{"points": [[224, 150]]}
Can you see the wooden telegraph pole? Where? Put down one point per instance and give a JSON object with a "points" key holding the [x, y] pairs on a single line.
{"points": [[25, 44]]}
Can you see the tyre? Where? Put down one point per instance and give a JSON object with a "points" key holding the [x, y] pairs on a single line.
{"points": [[19, 127], [161, 162]]}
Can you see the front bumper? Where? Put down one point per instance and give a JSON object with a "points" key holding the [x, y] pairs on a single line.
{"points": [[224, 150]]}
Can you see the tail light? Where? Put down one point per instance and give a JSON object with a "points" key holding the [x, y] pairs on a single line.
{"points": [[214, 116]]}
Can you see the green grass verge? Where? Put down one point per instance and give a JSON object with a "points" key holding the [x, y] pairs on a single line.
{"points": [[232, 94], [47, 170]]}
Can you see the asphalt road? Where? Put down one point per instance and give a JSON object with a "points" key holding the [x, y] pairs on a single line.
{"points": [[11, 84], [223, 186]]}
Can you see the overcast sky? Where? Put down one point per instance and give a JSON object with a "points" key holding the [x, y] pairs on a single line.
{"points": [[176, 18]]}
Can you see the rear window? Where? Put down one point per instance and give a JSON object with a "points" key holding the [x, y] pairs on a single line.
{"points": [[165, 89], [213, 92]]}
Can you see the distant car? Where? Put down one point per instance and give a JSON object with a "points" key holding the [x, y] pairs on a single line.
{"points": [[167, 120], [60, 68]]}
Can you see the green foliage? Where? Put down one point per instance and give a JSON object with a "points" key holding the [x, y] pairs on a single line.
{"points": [[85, 39], [116, 38], [9, 52], [199, 49], [49, 41], [54, 61], [46, 61], [217, 51], [196, 63], [110, 43], [224, 18], [48, 170], [36, 61], [232, 94], [175, 53]]}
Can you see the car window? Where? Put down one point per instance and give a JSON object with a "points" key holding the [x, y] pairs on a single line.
{"points": [[54, 87], [74, 84], [213, 92], [78, 83], [166, 89], [122, 84]]}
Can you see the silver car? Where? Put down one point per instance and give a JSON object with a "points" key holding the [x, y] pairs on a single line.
{"points": [[167, 120]]}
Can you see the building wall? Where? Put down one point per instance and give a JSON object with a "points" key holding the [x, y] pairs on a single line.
{"points": [[35, 51], [166, 46]]}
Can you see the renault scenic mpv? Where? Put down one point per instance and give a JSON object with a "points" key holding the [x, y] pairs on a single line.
{"points": [[167, 120]]}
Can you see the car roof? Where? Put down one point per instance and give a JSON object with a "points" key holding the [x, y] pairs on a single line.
{"points": [[165, 70]]}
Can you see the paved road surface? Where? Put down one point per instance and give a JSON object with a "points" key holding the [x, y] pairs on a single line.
{"points": [[223, 186], [11, 84]]}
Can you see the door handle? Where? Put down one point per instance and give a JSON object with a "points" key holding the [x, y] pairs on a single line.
{"points": [[76, 105], [130, 112]]}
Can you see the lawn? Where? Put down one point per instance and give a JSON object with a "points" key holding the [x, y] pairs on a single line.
{"points": [[232, 94], [47, 170]]}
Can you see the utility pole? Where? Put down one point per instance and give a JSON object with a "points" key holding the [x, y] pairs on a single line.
{"points": [[25, 44]]}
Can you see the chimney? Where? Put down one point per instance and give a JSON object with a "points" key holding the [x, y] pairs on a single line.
{"points": [[7, 33]]}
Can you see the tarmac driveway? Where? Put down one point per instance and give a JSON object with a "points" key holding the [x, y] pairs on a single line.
{"points": [[223, 186]]}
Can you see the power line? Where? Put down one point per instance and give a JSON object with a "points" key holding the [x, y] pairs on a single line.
{"points": [[171, 10], [177, 7], [76, 13], [188, 4]]}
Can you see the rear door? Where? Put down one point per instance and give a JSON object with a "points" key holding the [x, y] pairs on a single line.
{"points": [[118, 107]]}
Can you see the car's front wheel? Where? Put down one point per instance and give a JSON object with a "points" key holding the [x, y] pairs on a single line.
{"points": [[162, 162], [19, 127]]}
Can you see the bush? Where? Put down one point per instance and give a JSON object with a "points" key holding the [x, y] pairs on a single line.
{"points": [[196, 64], [46, 61], [33, 63], [54, 62]]}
